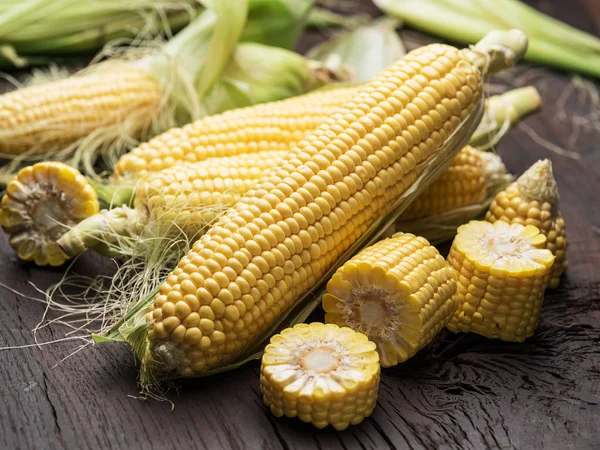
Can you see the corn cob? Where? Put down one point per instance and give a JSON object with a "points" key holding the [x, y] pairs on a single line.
{"points": [[40, 204], [56, 115], [270, 126], [397, 292], [179, 199], [322, 374], [280, 125], [288, 231], [503, 272], [533, 200]]}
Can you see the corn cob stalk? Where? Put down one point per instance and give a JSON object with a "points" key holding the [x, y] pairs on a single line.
{"points": [[397, 292], [533, 200], [332, 191], [322, 374], [503, 272], [40, 204], [34, 30], [186, 198]]}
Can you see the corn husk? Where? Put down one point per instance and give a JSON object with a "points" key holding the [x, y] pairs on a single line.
{"points": [[365, 50]]}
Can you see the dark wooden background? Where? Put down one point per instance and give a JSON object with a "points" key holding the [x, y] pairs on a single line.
{"points": [[462, 392]]}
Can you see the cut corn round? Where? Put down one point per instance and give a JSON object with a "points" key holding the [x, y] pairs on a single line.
{"points": [[503, 272], [284, 234], [533, 200], [48, 117], [41, 202], [397, 292], [321, 374]]}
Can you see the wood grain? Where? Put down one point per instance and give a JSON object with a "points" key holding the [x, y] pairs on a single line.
{"points": [[462, 392]]}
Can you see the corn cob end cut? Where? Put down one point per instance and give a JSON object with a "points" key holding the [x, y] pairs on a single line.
{"points": [[503, 272], [397, 292], [534, 200], [41, 202], [322, 374]]}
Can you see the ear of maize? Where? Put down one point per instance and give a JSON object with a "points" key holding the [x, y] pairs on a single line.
{"points": [[49, 117], [38, 207], [321, 374], [502, 274], [280, 125], [270, 126], [533, 200], [287, 232], [397, 292]]}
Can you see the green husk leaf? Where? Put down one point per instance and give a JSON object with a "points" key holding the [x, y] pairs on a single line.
{"points": [[365, 50], [37, 28], [323, 18], [258, 73], [551, 42], [277, 23]]}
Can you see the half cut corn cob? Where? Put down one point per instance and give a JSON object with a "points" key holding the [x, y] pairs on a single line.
{"points": [[39, 206], [321, 374], [533, 200], [397, 292], [284, 235], [503, 272]]}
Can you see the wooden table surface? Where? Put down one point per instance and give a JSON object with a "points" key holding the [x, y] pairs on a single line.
{"points": [[461, 392]]}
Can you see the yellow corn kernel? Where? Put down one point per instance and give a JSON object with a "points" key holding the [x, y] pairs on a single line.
{"points": [[48, 117], [503, 272], [286, 232], [41, 202], [268, 126], [463, 183], [397, 292], [322, 374], [533, 200]]}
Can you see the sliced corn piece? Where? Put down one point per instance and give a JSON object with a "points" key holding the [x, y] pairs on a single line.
{"points": [[397, 292], [503, 273], [322, 374], [40, 204]]}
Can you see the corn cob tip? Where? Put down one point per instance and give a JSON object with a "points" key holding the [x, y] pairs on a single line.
{"points": [[322, 374], [538, 183], [41, 202]]}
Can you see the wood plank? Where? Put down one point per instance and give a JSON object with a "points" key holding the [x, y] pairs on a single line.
{"points": [[462, 392]]}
